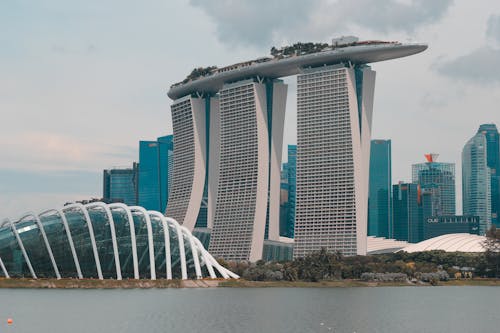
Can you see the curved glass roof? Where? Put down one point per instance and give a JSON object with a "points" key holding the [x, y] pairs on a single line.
{"points": [[99, 240]]}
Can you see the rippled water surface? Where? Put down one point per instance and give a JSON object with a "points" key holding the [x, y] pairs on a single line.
{"points": [[391, 309]]}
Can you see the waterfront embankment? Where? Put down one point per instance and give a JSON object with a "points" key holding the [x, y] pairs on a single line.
{"points": [[209, 283]]}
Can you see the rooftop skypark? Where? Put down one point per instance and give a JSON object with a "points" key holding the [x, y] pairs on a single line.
{"points": [[295, 50], [291, 60]]}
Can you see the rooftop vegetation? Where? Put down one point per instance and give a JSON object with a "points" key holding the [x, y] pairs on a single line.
{"points": [[299, 49]]}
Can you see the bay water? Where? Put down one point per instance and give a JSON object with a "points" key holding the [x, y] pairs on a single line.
{"points": [[218, 310]]}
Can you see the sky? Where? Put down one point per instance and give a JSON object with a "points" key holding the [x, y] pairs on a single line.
{"points": [[81, 82]]}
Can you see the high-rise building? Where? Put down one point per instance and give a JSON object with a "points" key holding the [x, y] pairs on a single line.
{"points": [[292, 189], [120, 185], [490, 131], [334, 112], [284, 208], [380, 190], [232, 150], [155, 161], [252, 114], [439, 179], [476, 181], [408, 224]]}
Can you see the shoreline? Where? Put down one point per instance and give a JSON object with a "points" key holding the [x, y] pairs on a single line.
{"points": [[21, 283]]}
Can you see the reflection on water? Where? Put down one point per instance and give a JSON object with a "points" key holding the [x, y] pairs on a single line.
{"points": [[391, 309]]}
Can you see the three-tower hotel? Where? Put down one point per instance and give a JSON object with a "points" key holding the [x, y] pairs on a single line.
{"points": [[228, 128]]}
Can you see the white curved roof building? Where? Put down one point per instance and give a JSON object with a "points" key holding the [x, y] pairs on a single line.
{"points": [[449, 243]]}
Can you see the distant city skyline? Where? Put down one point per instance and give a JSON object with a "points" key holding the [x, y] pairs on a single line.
{"points": [[64, 84]]}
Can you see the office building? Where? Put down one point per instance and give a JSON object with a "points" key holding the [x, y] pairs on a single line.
{"points": [[155, 167], [291, 173], [380, 190], [439, 178], [121, 185], [490, 131], [408, 224], [476, 181], [435, 226]]}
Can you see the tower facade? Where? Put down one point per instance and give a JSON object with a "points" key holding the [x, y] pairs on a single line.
{"points": [[438, 178], [408, 223], [490, 131], [120, 184], [248, 187], [334, 113], [292, 190], [476, 190], [154, 174], [189, 168], [379, 196]]}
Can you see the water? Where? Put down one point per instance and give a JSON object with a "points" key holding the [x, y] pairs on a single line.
{"points": [[391, 309]]}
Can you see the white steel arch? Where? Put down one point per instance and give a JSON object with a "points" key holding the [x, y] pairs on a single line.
{"points": [[200, 255], [166, 235], [206, 258], [194, 252], [83, 209], [70, 238], [113, 235], [151, 249], [132, 235], [5, 273], [23, 250], [45, 240], [182, 252]]}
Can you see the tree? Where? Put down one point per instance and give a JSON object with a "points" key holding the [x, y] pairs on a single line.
{"points": [[492, 254]]}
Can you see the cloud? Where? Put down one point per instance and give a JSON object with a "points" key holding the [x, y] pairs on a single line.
{"points": [[259, 22], [51, 151], [480, 66], [15, 204], [493, 30], [254, 21]]}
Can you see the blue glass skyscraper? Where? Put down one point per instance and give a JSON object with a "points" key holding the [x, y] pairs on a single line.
{"points": [[120, 185], [292, 186], [491, 134], [476, 181], [408, 222], [154, 160], [438, 178], [379, 197]]}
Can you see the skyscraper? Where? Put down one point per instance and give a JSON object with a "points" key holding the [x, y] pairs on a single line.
{"points": [[292, 189], [154, 160], [252, 114], [476, 181], [120, 184], [380, 196], [439, 179], [334, 113], [408, 222], [493, 161]]}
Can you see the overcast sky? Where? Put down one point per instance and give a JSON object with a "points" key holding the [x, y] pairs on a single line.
{"points": [[81, 82]]}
